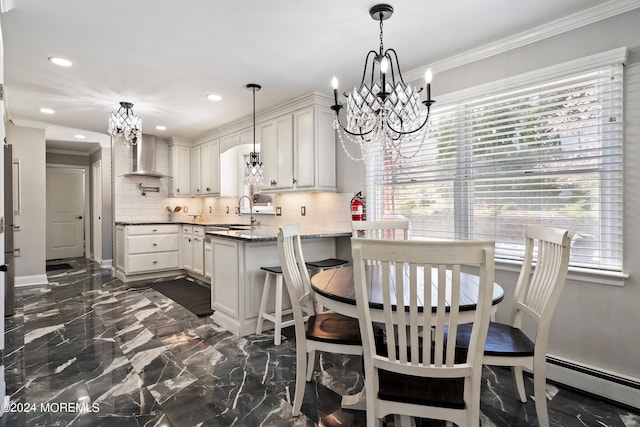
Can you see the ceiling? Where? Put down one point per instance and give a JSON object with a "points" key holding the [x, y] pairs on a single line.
{"points": [[166, 56]]}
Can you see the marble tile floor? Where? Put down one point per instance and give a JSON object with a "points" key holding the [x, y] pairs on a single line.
{"points": [[88, 350]]}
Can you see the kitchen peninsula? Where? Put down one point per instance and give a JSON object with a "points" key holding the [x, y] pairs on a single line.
{"points": [[231, 254]]}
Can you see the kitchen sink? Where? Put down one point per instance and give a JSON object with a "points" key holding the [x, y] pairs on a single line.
{"points": [[227, 227]]}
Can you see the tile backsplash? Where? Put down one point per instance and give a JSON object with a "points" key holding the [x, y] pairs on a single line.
{"points": [[323, 210]]}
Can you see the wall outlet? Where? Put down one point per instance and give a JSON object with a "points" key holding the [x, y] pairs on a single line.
{"points": [[185, 209], [278, 211], [303, 210], [17, 252]]}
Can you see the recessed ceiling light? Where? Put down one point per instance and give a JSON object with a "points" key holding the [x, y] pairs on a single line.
{"points": [[161, 127], [78, 136], [213, 97], [61, 62], [47, 110]]}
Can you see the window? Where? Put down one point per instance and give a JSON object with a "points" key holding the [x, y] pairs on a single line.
{"points": [[548, 153]]}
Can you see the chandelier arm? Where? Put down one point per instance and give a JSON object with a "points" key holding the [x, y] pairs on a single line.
{"points": [[349, 132], [364, 71], [410, 131], [395, 54]]}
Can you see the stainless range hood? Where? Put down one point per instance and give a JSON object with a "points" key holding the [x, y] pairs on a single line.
{"points": [[144, 158]]}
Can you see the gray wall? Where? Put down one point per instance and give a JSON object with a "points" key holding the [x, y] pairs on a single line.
{"points": [[595, 324]]}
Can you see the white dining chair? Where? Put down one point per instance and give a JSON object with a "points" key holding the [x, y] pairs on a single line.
{"points": [[329, 332], [542, 277], [387, 229], [407, 374]]}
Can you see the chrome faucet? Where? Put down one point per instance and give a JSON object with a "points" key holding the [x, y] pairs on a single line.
{"points": [[253, 220]]}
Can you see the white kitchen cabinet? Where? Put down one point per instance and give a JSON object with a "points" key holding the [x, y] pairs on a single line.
{"points": [[210, 168], [298, 151], [196, 185], [193, 249], [187, 247], [208, 258], [276, 149], [180, 161], [146, 249], [197, 265]]}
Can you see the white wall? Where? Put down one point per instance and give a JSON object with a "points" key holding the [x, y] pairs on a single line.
{"points": [[29, 147]]}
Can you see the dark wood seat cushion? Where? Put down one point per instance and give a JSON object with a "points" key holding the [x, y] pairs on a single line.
{"points": [[502, 340], [440, 392], [333, 328]]}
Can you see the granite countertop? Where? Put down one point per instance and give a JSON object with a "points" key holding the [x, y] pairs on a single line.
{"points": [[270, 233], [260, 233]]}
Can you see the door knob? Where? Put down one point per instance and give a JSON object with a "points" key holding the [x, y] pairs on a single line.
{"points": [[4, 267]]}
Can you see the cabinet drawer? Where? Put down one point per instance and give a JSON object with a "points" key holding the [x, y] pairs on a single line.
{"points": [[149, 244], [152, 262], [198, 231], [187, 229], [133, 230]]}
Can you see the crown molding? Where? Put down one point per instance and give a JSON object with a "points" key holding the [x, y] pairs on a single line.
{"points": [[550, 29]]}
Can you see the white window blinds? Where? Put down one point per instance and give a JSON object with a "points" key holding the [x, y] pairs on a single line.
{"points": [[549, 153]]}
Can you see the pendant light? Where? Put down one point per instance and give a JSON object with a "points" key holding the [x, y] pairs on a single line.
{"points": [[253, 173]]}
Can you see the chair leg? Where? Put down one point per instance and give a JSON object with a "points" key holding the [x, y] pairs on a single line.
{"points": [[540, 394], [518, 379], [301, 356], [263, 302], [277, 332], [311, 362]]}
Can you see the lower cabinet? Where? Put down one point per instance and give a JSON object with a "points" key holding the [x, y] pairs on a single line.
{"points": [[147, 249], [237, 280], [208, 258], [193, 249]]}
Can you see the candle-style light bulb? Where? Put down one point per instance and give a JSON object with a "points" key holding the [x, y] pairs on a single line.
{"points": [[334, 84], [428, 76], [384, 65]]}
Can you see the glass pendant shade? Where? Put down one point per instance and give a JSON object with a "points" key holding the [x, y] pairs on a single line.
{"points": [[253, 173], [125, 123]]}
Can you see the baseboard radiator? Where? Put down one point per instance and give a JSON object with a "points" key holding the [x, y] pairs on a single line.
{"points": [[607, 385]]}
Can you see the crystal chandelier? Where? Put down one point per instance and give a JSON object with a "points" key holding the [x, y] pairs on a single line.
{"points": [[384, 113], [253, 173], [125, 122]]}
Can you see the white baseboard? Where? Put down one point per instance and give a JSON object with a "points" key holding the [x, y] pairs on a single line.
{"points": [[609, 385], [37, 279]]}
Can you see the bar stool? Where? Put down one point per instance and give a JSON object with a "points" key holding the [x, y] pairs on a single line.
{"points": [[276, 317]]}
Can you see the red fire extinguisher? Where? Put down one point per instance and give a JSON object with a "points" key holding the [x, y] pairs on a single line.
{"points": [[357, 207]]}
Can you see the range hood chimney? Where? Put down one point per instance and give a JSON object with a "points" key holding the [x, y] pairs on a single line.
{"points": [[144, 158]]}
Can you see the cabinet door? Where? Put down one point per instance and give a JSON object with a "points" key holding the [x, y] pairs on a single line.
{"points": [[196, 187], [180, 170], [276, 146], [208, 259], [305, 153], [197, 264], [187, 252], [210, 167]]}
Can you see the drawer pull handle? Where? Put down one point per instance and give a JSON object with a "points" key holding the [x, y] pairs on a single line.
{"points": [[155, 262], [154, 230], [155, 244]]}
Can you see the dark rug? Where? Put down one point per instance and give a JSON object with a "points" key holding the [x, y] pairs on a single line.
{"points": [[189, 294], [54, 267]]}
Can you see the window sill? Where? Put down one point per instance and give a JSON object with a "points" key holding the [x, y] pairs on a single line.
{"points": [[589, 275]]}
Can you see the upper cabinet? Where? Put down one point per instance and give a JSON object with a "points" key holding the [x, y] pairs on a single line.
{"points": [[210, 168], [298, 151], [180, 163]]}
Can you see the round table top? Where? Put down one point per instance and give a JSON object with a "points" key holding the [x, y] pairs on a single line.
{"points": [[338, 284]]}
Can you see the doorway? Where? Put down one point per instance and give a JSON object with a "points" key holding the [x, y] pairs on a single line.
{"points": [[66, 212]]}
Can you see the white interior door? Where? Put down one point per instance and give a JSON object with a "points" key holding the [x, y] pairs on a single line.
{"points": [[3, 387], [96, 195], [65, 212]]}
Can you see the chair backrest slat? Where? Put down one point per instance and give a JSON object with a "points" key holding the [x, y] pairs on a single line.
{"points": [[386, 230]]}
